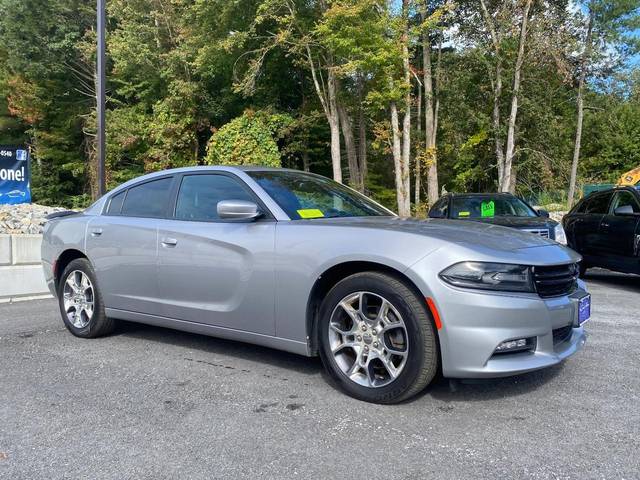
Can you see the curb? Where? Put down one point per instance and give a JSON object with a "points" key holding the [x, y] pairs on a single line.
{"points": [[24, 299]]}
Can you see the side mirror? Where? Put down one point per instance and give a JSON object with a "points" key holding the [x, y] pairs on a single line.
{"points": [[624, 210], [436, 214], [238, 210], [543, 213]]}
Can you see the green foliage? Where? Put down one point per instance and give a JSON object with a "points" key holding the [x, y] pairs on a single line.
{"points": [[250, 139], [364, 39], [614, 139], [178, 94], [42, 59]]}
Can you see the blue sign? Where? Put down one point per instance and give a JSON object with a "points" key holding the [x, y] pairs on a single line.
{"points": [[15, 175]]}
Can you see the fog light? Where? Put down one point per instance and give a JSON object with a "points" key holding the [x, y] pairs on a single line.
{"points": [[515, 345]]}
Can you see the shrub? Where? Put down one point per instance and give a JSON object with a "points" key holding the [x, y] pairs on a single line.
{"points": [[250, 139]]}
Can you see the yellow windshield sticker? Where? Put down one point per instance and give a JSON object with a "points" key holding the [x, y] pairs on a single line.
{"points": [[463, 214], [488, 209], [310, 213]]}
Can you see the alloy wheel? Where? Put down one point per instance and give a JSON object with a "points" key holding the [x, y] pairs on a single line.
{"points": [[368, 339], [78, 296]]}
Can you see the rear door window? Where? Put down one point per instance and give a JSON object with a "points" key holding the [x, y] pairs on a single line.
{"points": [[599, 204], [199, 196], [150, 199]]}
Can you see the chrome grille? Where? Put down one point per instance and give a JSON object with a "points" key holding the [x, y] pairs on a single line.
{"points": [[543, 232], [557, 280]]}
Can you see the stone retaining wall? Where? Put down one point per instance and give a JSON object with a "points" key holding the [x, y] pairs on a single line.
{"points": [[21, 274]]}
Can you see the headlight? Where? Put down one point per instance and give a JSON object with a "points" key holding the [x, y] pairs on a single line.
{"points": [[559, 235], [489, 276]]}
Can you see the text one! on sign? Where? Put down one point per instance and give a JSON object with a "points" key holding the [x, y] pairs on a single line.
{"points": [[15, 175]]}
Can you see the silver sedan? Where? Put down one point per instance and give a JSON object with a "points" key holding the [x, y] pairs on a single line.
{"points": [[297, 262]]}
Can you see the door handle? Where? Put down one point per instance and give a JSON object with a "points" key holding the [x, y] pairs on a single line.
{"points": [[169, 242], [96, 232], [605, 225]]}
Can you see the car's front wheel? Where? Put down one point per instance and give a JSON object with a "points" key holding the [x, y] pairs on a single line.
{"points": [[80, 301], [377, 338]]}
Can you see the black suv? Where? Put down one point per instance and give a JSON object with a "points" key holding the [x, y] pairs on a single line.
{"points": [[498, 209], [604, 228]]}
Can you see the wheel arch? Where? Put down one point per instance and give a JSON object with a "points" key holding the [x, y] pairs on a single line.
{"points": [[64, 259], [338, 272]]}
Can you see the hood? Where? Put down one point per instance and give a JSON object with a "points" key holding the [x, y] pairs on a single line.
{"points": [[516, 222], [463, 232]]}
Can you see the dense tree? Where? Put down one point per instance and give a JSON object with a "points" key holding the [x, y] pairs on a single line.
{"points": [[603, 35], [399, 99]]}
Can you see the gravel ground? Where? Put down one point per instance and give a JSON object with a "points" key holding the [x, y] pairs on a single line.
{"points": [[154, 403]]}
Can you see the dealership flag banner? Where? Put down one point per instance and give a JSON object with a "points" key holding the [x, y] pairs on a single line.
{"points": [[15, 175]]}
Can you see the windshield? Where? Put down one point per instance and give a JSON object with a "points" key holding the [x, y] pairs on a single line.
{"points": [[302, 195], [489, 206]]}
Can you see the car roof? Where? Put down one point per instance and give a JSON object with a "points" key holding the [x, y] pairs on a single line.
{"points": [[205, 168], [478, 194], [244, 168], [630, 188]]}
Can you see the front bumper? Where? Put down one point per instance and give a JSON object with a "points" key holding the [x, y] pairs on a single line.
{"points": [[49, 277], [475, 323]]}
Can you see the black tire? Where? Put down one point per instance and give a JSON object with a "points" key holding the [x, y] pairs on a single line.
{"points": [[99, 324], [422, 359]]}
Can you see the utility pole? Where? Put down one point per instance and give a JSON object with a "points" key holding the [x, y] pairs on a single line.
{"points": [[100, 95]]}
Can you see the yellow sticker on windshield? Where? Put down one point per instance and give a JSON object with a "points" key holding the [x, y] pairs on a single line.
{"points": [[310, 213], [488, 209], [464, 214]]}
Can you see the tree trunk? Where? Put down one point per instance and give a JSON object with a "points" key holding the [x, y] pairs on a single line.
{"points": [[430, 156], [362, 147], [350, 145], [91, 144], [92, 162], [402, 194], [362, 135], [328, 100], [436, 88], [580, 103], [406, 121], [334, 125], [497, 93], [306, 161], [418, 169], [506, 184]]}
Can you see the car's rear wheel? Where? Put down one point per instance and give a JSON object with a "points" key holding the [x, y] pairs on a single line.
{"points": [[81, 303], [378, 341]]}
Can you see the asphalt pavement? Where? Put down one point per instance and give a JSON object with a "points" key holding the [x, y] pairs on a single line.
{"points": [[151, 403]]}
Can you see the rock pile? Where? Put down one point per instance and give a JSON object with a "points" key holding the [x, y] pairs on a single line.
{"points": [[24, 217], [557, 216]]}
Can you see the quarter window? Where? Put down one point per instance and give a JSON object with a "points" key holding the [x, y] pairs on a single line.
{"points": [[199, 196], [623, 199], [115, 204], [150, 199], [441, 207]]}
